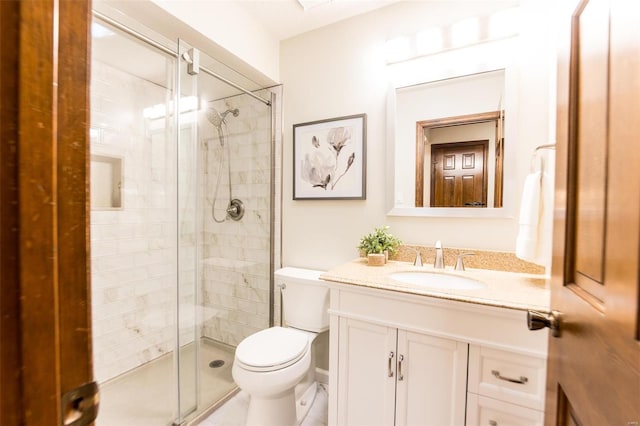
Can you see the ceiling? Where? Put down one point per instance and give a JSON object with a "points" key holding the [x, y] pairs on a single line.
{"points": [[287, 18]]}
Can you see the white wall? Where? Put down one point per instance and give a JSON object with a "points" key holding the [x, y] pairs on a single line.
{"points": [[220, 28], [340, 70], [230, 27]]}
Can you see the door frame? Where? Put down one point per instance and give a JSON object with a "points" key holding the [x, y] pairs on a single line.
{"points": [[421, 140], [46, 332]]}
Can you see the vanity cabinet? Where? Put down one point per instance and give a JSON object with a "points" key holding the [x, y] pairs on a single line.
{"points": [[394, 376], [406, 359]]}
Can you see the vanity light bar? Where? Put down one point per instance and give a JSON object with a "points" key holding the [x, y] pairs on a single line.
{"points": [[468, 32]]}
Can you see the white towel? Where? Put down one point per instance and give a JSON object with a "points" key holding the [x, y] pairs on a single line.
{"points": [[527, 242], [535, 236]]}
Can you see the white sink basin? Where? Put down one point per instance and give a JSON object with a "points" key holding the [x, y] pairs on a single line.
{"points": [[437, 280]]}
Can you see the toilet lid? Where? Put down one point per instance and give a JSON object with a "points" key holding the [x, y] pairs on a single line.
{"points": [[272, 348]]}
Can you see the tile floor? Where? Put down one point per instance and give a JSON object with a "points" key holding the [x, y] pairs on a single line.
{"points": [[234, 411], [146, 395]]}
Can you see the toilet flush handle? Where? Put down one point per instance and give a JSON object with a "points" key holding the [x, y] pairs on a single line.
{"points": [[282, 286]]}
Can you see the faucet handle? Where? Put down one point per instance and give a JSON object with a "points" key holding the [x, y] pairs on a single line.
{"points": [[418, 260], [459, 261]]}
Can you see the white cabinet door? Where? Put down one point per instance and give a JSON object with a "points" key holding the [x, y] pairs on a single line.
{"points": [[432, 380], [366, 373]]}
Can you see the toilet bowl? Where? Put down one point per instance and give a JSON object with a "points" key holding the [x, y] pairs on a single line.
{"points": [[276, 366]]}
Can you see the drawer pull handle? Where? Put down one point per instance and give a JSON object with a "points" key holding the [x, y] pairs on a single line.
{"points": [[389, 367], [521, 381], [400, 359]]}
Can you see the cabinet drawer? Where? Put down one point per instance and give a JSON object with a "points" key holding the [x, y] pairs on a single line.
{"points": [[483, 411], [507, 376]]}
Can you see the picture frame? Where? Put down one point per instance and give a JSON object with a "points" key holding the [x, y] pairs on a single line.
{"points": [[329, 159]]}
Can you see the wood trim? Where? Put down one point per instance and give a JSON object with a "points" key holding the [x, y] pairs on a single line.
{"points": [[11, 388], [571, 141], [38, 198], [498, 188], [43, 192], [421, 126], [420, 143], [73, 192], [460, 119]]}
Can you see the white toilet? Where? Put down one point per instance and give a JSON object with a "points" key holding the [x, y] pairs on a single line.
{"points": [[276, 366]]}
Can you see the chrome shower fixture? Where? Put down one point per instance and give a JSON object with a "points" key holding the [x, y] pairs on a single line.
{"points": [[217, 119], [235, 208]]}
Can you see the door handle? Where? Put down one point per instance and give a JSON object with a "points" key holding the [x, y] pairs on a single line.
{"points": [[80, 405], [537, 320], [400, 359], [390, 365]]}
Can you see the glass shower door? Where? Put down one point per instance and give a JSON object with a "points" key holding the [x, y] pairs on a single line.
{"points": [[186, 359], [225, 191]]}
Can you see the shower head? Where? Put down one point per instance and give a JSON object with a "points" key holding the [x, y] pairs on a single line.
{"points": [[217, 119]]}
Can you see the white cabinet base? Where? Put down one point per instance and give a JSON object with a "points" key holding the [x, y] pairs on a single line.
{"points": [[398, 359]]}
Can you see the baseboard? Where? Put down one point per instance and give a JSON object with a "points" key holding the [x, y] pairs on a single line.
{"points": [[322, 376]]}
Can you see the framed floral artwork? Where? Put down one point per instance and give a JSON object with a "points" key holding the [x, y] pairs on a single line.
{"points": [[329, 159]]}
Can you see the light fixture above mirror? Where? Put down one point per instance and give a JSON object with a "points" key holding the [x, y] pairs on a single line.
{"points": [[465, 33]]}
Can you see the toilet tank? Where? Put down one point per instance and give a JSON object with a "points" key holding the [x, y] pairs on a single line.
{"points": [[305, 298]]}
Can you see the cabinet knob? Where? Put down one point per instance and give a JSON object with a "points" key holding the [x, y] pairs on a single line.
{"points": [[537, 320]]}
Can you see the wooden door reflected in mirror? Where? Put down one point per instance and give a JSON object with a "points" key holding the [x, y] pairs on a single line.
{"points": [[459, 174], [462, 158]]}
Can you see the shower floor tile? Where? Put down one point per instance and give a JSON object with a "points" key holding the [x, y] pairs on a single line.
{"points": [[234, 411], [146, 396]]}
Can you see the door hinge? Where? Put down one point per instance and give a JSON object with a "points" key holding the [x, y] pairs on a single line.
{"points": [[80, 405]]}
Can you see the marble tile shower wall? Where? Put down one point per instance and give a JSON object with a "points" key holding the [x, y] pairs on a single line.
{"points": [[236, 255], [132, 249]]}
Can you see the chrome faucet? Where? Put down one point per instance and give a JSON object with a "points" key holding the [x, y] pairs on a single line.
{"points": [[459, 261], [438, 263]]}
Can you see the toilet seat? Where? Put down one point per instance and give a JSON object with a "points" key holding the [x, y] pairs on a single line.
{"points": [[272, 349]]}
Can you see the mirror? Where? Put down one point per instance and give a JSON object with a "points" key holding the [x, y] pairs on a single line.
{"points": [[472, 93], [455, 127]]}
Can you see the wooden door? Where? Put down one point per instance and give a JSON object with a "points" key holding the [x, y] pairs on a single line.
{"points": [[366, 373], [46, 321], [458, 174], [431, 380], [594, 365]]}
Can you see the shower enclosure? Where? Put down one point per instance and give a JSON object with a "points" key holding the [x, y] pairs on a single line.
{"points": [[183, 223]]}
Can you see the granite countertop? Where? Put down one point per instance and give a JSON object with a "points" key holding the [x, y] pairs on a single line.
{"points": [[513, 290]]}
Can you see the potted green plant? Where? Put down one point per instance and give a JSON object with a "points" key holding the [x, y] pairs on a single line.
{"points": [[378, 244]]}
